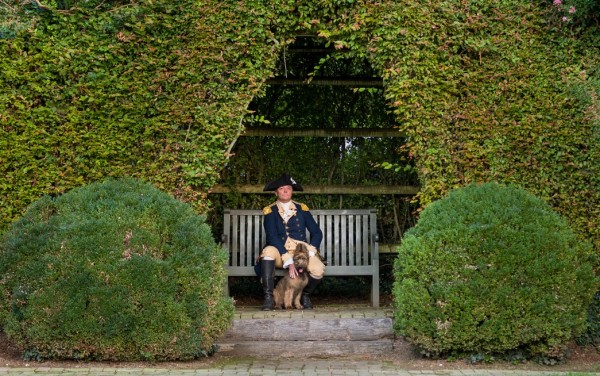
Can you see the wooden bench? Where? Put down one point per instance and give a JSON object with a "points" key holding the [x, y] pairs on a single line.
{"points": [[350, 243]]}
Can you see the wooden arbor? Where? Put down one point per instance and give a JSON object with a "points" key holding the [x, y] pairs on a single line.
{"points": [[354, 82], [311, 129]]}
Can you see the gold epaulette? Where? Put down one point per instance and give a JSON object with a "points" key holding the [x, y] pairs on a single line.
{"points": [[304, 207], [267, 210]]}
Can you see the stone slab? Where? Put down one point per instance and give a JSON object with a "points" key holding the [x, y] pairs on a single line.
{"points": [[297, 329], [294, 349]]}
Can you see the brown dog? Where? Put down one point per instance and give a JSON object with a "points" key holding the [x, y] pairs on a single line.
{"points": [[289, 290]]}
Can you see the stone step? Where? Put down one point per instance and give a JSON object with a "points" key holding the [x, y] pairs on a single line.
{"points": [[305, 348], [311, 329], [324, 332]]}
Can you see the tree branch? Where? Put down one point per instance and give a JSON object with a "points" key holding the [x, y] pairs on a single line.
{"points": [[7, 5], [37, 4]]}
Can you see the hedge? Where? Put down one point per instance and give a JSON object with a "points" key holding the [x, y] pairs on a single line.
{"points": [[490, 90], [490, 270], [116, 270]]}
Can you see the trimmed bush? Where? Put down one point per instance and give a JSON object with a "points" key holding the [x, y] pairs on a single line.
{"points": [[491, 269], [112, 271]]}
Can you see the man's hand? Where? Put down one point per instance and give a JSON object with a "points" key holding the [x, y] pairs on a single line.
{"points": [[292, 270]]}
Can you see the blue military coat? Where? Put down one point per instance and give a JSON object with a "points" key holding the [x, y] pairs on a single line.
{"points": [[278, 231]]}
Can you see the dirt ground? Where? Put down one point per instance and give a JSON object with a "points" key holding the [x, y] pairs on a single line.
{"points": [[582, 359]]}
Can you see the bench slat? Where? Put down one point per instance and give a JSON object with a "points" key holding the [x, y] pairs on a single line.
{"points": [[351, 239], [257, 223], [343, 240], [243, 249], [235, 249], [365, 241]]}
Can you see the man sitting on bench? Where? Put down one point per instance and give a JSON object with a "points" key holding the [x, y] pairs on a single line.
{"points": [[285, 223]]}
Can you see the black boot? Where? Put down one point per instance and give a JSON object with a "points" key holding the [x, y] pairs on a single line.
{"points": [[267, 273], [312, 285]]}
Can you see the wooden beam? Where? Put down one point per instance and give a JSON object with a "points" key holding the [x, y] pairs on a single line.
{"points": [[388, 248], [329, 81], [405, 190], [316, 50], [321, 132]]}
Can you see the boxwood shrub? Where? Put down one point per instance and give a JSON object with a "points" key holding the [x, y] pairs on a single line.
{"points": [[492, 270], [116, 270]]}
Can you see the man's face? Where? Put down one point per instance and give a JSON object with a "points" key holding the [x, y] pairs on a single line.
{"points": [[284, 193]]}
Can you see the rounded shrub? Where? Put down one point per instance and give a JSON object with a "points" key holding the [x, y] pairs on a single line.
{"points": [[112, 271], [491, 269]]}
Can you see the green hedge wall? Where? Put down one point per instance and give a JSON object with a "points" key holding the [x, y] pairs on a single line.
{"points": [[154, 90], [489, 90]]}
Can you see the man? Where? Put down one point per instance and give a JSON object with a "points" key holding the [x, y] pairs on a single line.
{"points": [[285, 223]]}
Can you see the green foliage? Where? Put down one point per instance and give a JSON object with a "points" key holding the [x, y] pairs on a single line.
{"points": [[154, 90], [485, 91], [592, 335], [112, 271], [492, 269]]}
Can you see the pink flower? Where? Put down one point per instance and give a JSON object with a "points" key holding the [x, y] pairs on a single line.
{"points": [[557, 2], [565, 19], [572, 10]]}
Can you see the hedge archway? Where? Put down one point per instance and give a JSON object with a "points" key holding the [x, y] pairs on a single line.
{"points": [[487, 90]]}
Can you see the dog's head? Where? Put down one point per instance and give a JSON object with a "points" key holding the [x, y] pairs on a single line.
{"points": [[301, 258]]}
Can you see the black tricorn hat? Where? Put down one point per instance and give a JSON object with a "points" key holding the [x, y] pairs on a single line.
{"points": [[284, 179]]}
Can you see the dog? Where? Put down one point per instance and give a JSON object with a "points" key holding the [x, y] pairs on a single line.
{"points": [[288, 292]]}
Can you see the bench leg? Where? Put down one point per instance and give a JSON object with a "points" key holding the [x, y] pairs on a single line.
{"points": [[375, 291]]}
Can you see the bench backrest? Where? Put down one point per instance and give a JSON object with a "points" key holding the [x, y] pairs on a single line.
{"points": [[349, 239]]}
